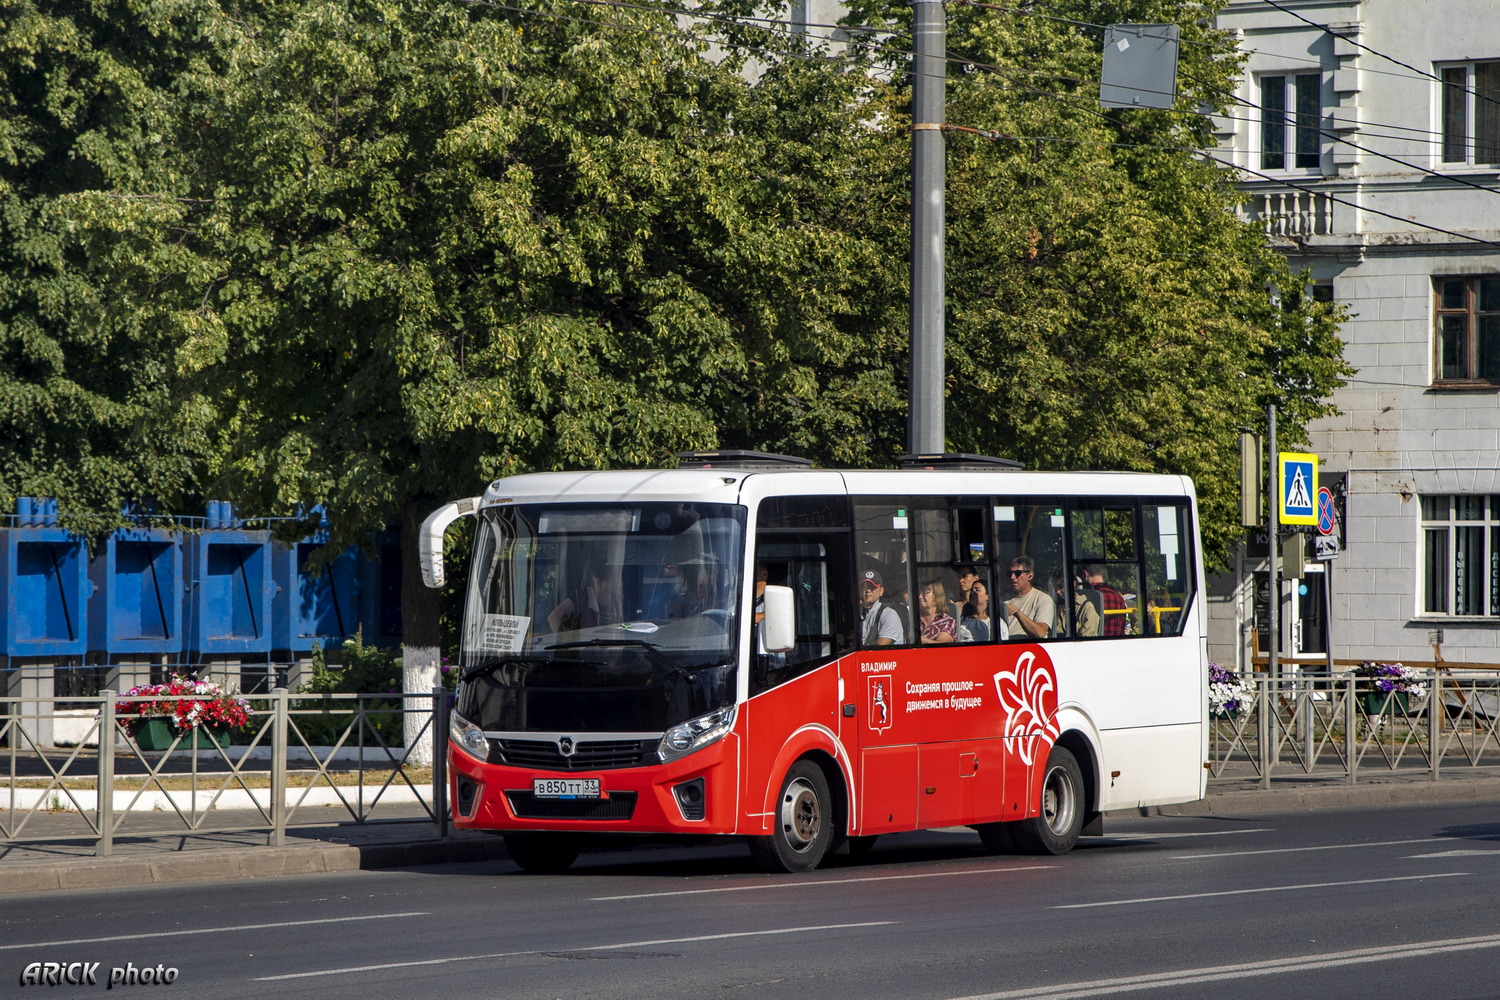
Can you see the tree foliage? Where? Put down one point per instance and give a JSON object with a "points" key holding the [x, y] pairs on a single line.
{"points": [[372, 253]]}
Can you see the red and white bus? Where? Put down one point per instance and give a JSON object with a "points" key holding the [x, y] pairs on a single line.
{"points": [[698, 651]]}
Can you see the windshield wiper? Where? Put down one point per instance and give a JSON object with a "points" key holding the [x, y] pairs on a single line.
{"points": [[490, 665]]}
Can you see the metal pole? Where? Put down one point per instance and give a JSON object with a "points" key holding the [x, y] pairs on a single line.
{"points": [[925, 430], [105, 808], [1350, 722], [440, 759], [1434, 726], [1269, 730], [1273, 613], [278, 767]]}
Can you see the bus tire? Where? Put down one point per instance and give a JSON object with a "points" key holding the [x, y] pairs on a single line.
{"points": [[1055, 830], [542, 853], [803, 823]]}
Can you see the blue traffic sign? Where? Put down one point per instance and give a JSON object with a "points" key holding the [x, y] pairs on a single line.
{"points": [[1299, 488]]}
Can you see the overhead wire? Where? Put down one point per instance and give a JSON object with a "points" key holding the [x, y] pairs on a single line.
{"points": [[765, 24]]}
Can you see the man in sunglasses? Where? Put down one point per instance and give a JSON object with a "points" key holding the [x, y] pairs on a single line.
{"points": [[1030, 611]]}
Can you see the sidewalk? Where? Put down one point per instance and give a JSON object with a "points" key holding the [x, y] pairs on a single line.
{"points": [[153, 860]]}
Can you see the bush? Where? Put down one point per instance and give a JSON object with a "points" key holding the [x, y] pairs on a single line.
{"points": [[369, 670]]}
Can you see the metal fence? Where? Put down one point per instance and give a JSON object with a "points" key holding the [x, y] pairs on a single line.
{"points": [[1342, 728], [304, 753], [299, 754]]}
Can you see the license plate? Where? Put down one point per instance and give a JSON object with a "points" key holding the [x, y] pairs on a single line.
{"points": [[566, 788]]}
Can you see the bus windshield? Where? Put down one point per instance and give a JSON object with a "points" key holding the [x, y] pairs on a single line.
{"points": [[570, 604]]}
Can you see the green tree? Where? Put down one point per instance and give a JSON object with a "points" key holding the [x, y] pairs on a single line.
{"points": [[1106, 310], [91, 195]]}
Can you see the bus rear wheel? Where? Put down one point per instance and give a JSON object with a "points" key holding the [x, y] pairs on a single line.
{"points": [[1055, 830], [542, 853], [804, 823]]}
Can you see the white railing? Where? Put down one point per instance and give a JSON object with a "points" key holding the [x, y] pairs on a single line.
{"points": [[1290, 213]]}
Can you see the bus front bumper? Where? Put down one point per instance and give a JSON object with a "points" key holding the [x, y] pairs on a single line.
{"points": [[694, 794]]}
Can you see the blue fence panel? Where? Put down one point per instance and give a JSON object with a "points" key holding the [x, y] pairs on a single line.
{"points": [[315, 606], [44, 576], [138, 593], [232, 587]]}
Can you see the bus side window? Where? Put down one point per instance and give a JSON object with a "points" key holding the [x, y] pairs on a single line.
{"points": [[1031, 533], [882, 527], [1105, 555], [1166, 540], [803, 543]]}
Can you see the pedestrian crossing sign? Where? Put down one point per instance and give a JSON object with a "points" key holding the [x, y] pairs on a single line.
{"points": [[1299, 487]]}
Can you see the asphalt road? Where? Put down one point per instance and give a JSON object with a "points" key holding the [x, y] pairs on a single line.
{"points": [[1394, 902]]}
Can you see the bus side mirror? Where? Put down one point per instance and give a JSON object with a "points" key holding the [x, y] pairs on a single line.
{"points": [[778, 629], [430, 537]]}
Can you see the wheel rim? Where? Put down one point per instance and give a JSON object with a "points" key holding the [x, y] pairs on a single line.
{"points": [[801, 815], [1059, 801]]}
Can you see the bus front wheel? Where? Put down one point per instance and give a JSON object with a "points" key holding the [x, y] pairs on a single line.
{"points": [[542, 853], [1055, 830], [804, 823]]}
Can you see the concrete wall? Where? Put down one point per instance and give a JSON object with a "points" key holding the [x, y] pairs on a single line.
{"points": [[1397, 437]]}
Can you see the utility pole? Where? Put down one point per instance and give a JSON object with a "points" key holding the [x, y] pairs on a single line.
{"points": [[925, 431]]}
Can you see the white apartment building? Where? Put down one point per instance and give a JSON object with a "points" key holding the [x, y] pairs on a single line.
{"points": [[1369, 135]]}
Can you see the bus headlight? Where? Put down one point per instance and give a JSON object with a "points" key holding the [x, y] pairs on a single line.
{"points": [[468, 736], [695, 734]]}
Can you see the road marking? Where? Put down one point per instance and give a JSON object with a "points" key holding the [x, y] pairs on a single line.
{"points": [[1178, 835], [183, 932], [820, 883], [1319, 847], [1456, 854], [1245, 970], [1251, 892], [549, 951]]}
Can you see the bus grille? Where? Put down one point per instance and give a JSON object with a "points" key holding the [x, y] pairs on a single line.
{"points": [[590, 755], [619, 805]]}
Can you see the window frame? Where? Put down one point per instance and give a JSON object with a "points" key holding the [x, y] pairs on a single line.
{"points": [[1461, 110], [1449, 525], [1294, 123], [1470, 346]]}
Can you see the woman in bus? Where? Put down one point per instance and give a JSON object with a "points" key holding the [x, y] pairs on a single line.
{"points": [[937, 625], [977, 612]]}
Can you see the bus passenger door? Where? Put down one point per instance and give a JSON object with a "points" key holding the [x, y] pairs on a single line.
{"points": [[886, 799]]}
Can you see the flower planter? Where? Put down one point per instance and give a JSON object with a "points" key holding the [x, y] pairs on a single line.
{"points": [[1381, 702], [157, 733]]}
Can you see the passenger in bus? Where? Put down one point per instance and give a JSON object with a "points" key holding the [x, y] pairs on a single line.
{"points": [[1113, 607], [1030, 611], [699, 592], [967, 577], [1085, 615], [1161, 612], [882, 625], [936, 623], [976, 618], [588, 606]]}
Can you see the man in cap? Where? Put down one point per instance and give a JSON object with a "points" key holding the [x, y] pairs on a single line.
{"points": [[882, 625]]}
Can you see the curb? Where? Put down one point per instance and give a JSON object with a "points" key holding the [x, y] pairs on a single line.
{"points": [[241, 863], [1281, 800]]}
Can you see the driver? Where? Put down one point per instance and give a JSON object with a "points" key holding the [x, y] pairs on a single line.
{"points": [[596, 604]]}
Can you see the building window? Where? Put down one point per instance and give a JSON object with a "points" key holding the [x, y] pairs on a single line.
{"points": [[1468, 329], [1290, 114], [1471, 112], [1461, 555]]}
